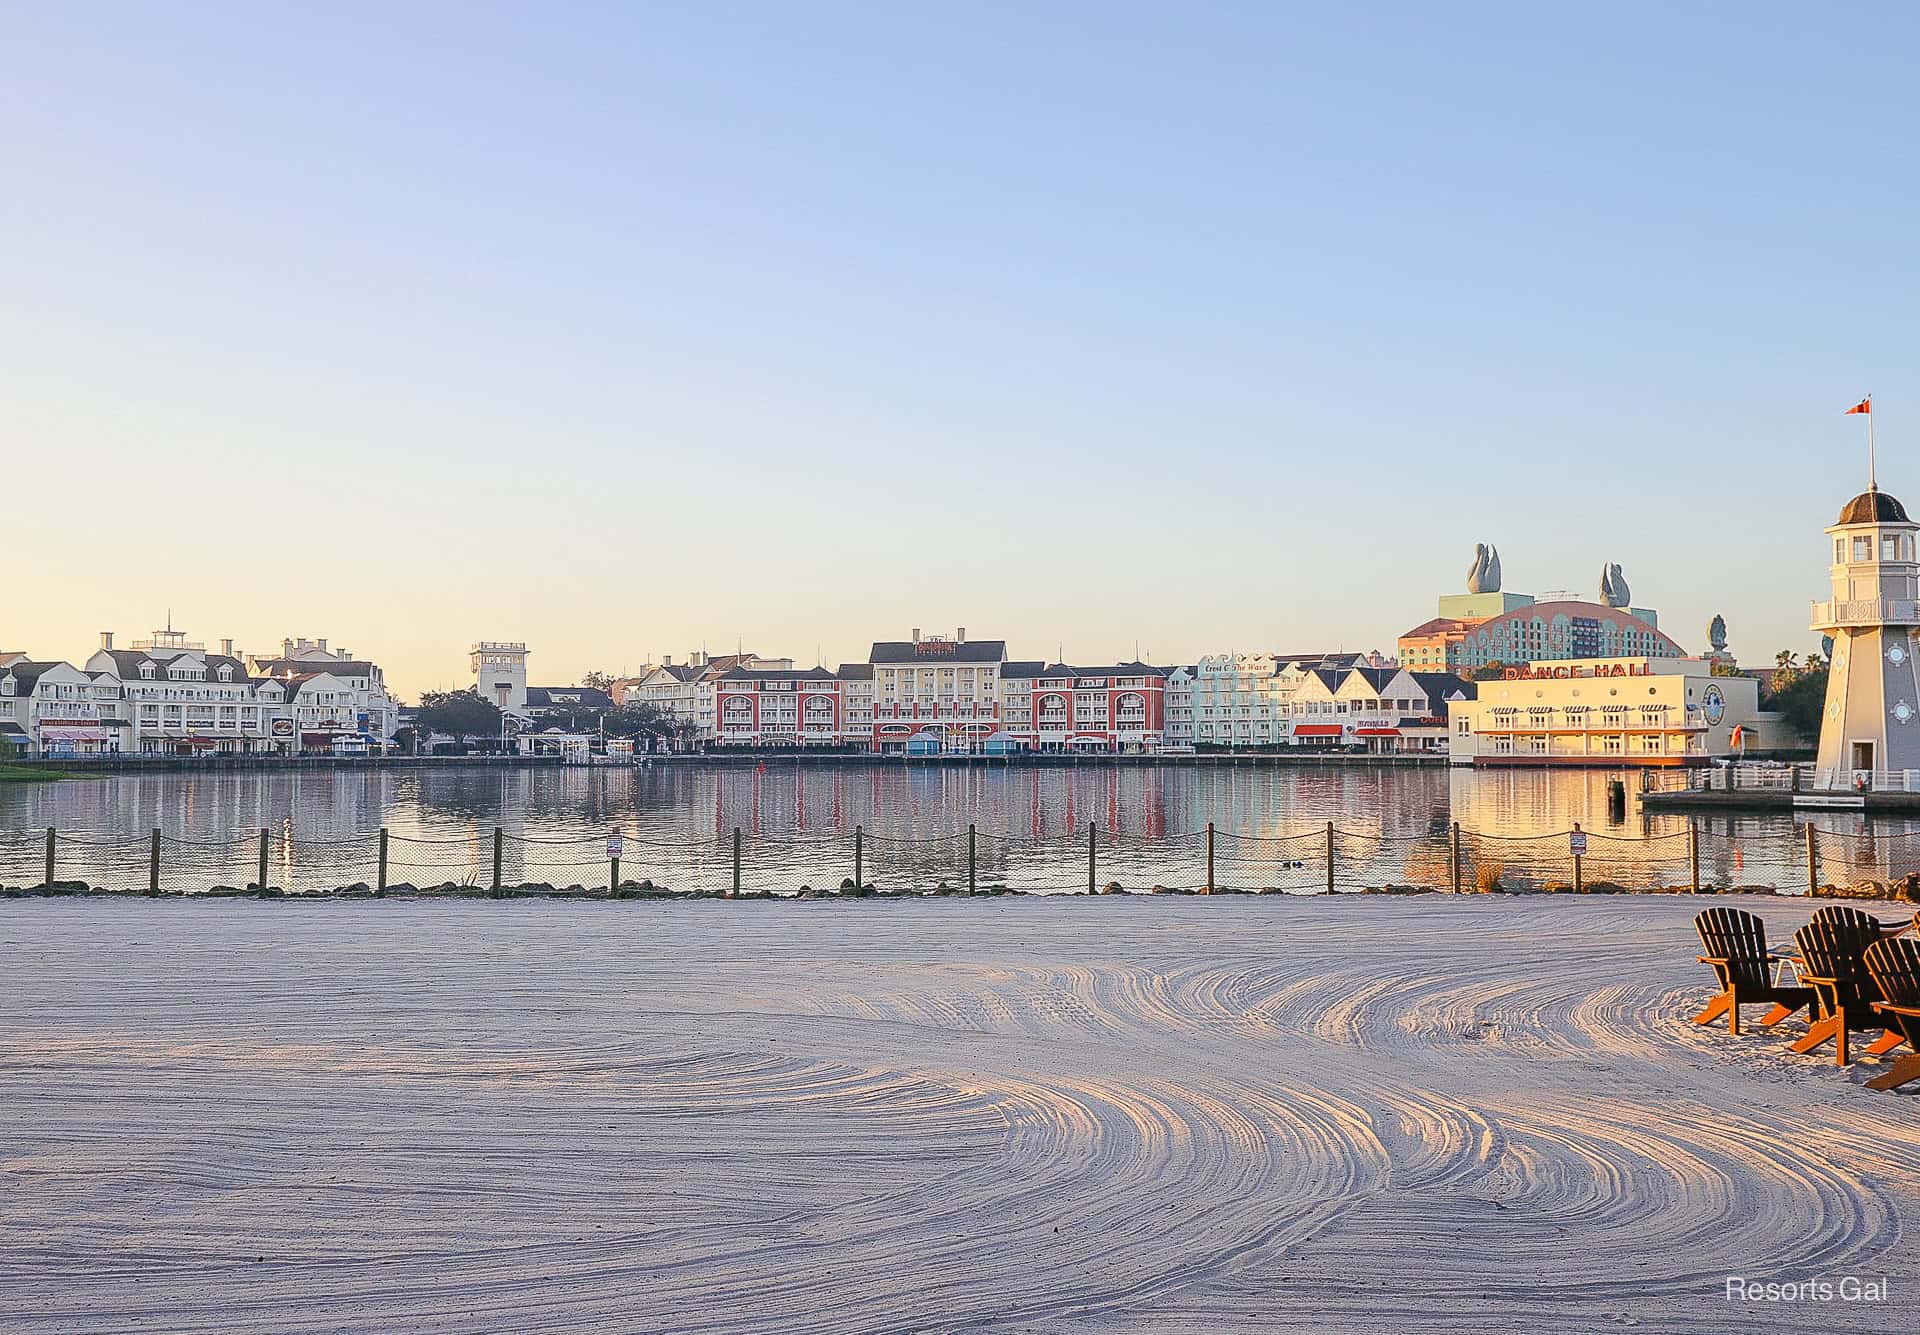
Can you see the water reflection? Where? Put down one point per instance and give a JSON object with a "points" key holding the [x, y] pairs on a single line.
{"points": [[1395, 819]]}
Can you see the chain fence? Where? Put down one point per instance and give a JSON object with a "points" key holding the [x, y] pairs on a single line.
{"points": [[1313, 859]]}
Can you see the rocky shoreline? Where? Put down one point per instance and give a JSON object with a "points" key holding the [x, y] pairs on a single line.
{"points": [[1905, 891]]}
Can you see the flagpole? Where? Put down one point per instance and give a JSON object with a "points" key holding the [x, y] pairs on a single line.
{"points": [[1872, 484]]}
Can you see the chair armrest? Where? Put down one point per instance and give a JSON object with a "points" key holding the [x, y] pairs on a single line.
{"points": [[1892, 1009]]}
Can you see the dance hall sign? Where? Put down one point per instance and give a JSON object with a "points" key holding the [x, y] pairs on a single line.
{"points": [[1599, 667]]}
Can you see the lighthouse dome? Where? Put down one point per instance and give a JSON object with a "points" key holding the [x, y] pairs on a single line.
{"points": [[1873, 507]]}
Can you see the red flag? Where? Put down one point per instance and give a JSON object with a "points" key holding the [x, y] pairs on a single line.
{"points": [[1864, 406], [1739, 733]]}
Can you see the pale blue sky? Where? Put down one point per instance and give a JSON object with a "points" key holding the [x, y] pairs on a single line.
{"points": [[623, 328]]}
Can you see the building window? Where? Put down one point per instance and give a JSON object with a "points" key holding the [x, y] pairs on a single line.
{"points": [[1863, 549]]}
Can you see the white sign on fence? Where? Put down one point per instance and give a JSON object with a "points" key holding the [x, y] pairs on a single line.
{"points": [[616, 842], [1577, 843]]}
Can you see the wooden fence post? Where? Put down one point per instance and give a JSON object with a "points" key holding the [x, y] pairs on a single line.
{"points": [[499, 849], [858, 884], [1813, 861], [1454, 857], [380, 886], [1209, 857], [970, 859], [1579, 884], [1329, 857], [51, 841], [1693, 851], [736, 862], [263, 860], [153, 864], [1093, 887]]}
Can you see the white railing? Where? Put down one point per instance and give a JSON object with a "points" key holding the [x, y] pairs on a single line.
{"points": [[1867, 781], [1802, 778], [1867, 612]]}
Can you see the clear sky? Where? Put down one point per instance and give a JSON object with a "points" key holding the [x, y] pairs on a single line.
{"points": [[622, 329]]}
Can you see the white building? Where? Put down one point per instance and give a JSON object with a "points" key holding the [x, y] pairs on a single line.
{"points": [[1180, 706], [1247, 701], [55, 709], [178, 699], [856, 701], [1610, 711], [500, 674], [338, 702]]}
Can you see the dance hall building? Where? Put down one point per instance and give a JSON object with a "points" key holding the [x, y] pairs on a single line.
{"points": [[1641, 711]]}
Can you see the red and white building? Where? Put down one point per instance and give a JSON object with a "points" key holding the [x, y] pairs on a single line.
{"points": [[762, 707], [1053, 707]]}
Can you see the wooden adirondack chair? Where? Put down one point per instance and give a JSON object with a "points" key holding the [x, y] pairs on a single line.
{"points": [[1891, 1039], [1735, 942], [1851, 916], [1830, 963], [1894, 966]]}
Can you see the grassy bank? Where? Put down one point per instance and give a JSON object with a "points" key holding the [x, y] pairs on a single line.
{"points": [[28, 774]]}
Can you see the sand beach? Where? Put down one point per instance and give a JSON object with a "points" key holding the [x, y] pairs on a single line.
{"points": [[1022, 1115]]}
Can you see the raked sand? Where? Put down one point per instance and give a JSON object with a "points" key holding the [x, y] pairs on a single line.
{"points": [[1219, 1115]]}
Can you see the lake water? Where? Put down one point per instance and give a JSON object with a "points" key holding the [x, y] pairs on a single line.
{"points": [[797, 827]]}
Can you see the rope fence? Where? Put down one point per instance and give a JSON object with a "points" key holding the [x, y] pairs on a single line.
{"points": [[1324, 858]]}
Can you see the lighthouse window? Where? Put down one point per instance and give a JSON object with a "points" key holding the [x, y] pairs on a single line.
{"points": [[1839, 551], [1889, 547], [1863, 549]]}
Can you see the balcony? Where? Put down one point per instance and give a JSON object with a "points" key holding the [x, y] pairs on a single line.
{"points": [[1866, 612]]}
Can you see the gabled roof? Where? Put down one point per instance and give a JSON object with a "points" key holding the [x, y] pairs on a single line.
{"points": [[1441, 686], [126, 665], [346, 667], [26, 673], [723, 663], [1046, 670], [1440, 626], [585, 697], [1375, 677], [777, 674], [854, 672], [943, 651]]}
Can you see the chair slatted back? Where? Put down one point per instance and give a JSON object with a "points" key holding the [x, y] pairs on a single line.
{"points": [[1834, 948], [1739, 938], [1848, 914], [1895, 965]]}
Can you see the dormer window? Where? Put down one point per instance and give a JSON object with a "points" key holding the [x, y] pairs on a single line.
{"points": [[226, 672], [146, 670]]}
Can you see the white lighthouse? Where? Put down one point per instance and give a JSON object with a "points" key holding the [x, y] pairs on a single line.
{"points": [[1872, 718]]}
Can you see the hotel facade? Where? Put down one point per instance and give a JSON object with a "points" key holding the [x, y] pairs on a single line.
{"points": [[1639, 711], [167, 695]]}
